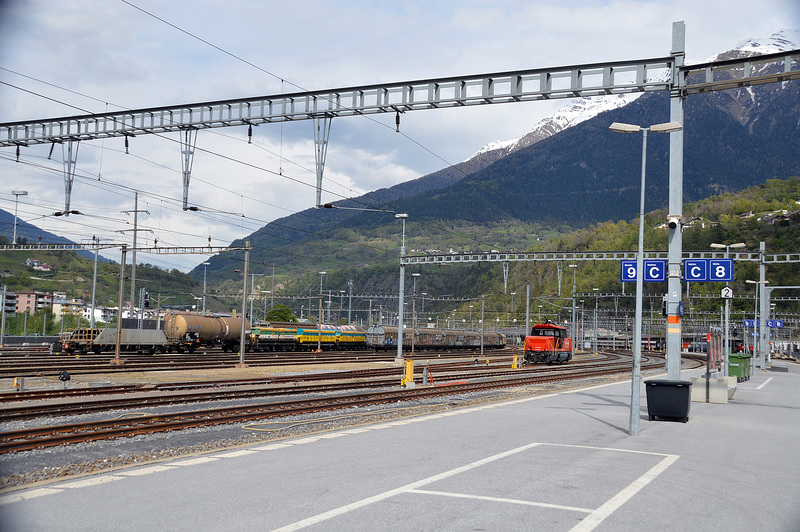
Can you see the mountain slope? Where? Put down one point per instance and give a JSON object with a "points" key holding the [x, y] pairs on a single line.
{"points": [[567, 172]]}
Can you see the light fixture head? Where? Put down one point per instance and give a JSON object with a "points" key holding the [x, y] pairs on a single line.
{"points": [[619, 127]]}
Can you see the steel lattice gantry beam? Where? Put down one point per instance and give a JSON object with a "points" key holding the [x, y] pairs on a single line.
{"points": [[769, 258], [742, 72], [500, 87], [595, 79], [196, 250]]}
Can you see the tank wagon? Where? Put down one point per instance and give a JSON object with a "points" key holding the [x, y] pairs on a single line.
{"points": [[548, 343], [190, 331], [385, 337]]}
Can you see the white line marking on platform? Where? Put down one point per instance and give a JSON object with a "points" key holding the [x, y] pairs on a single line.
{"points": [[403, 489], [194, 461], [92, 481], [763, 383], [501, 499], [273, 446], [597, 517], [144, 470], [30, 494], [236, 454], [589, 523]]}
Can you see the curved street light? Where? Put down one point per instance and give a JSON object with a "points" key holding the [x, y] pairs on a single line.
{"points": [[617, 127]]}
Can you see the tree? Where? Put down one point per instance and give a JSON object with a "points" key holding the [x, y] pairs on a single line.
{"points": [[281, 313]]}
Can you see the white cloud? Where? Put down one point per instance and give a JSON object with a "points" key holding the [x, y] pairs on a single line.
{"points": [[118, 55]]}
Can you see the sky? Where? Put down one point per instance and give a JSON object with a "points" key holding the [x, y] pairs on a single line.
{"points": [[72, 57]]}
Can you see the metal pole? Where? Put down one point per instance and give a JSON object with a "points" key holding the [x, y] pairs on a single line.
{"points": [[527, 309], [675, 252], [350, 302], [252, 291], [637, 328], [17, 194], [574, 309], [755, 334], [596, 308], [483, 322], [244, 302], [94, 282], [319, 322], [119, 308], [400, 291], [205, 270], [133, 254], [3, 319], [763, 312]]}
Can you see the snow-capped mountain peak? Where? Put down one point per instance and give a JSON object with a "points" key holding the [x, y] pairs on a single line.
{"points": [[781, 41], [576, 112]]}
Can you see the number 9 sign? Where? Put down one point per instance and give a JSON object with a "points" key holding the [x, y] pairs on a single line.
{"points": [[628, 271]]}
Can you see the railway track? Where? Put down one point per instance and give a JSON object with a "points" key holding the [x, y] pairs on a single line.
{"points": [[51, 365], [58, 434], [443, 370]]}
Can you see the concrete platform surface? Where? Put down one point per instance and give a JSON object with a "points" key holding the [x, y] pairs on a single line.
{"points": [[557, 462]]}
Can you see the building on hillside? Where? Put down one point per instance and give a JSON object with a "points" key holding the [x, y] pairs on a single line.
{"points": [[68, 307], [10, 306], [31, 301], [101, 314]]}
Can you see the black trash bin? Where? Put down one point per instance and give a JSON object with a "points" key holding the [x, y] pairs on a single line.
{"points": [[668, 399]]}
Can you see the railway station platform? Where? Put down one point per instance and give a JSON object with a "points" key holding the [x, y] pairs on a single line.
{"points": [[558, 462]]}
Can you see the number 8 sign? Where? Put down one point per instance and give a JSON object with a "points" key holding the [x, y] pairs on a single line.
{"points": [[720, 270]]}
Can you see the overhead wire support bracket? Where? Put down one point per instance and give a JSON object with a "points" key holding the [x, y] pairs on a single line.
{"points": [[188, 140], [70, 158], [322, 131]]}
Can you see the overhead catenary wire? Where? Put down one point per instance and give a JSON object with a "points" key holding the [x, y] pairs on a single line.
{"points": [[280, 173]]}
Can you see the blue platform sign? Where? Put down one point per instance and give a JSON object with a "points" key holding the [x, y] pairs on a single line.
{"points": [[655, 271], [749, 323], [695, 270], [720, 270], [778, 324], [708, 270]]}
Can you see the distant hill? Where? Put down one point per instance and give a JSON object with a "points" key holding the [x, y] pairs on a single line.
{"points": [[28, 233]]}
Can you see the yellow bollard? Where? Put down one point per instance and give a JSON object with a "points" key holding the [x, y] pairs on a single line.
{"points": [[514, 363], [408, 381]]}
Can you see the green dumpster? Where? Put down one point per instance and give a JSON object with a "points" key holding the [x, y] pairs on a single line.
{"points": [[739, 366]]}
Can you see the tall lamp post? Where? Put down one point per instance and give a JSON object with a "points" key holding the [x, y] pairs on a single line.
{"points": [[17, 194], [205, 267], [636, 378], [727, 350], [574, 268]]}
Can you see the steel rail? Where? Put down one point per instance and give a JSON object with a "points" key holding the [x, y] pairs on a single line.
{"points": [[91, 431]]}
